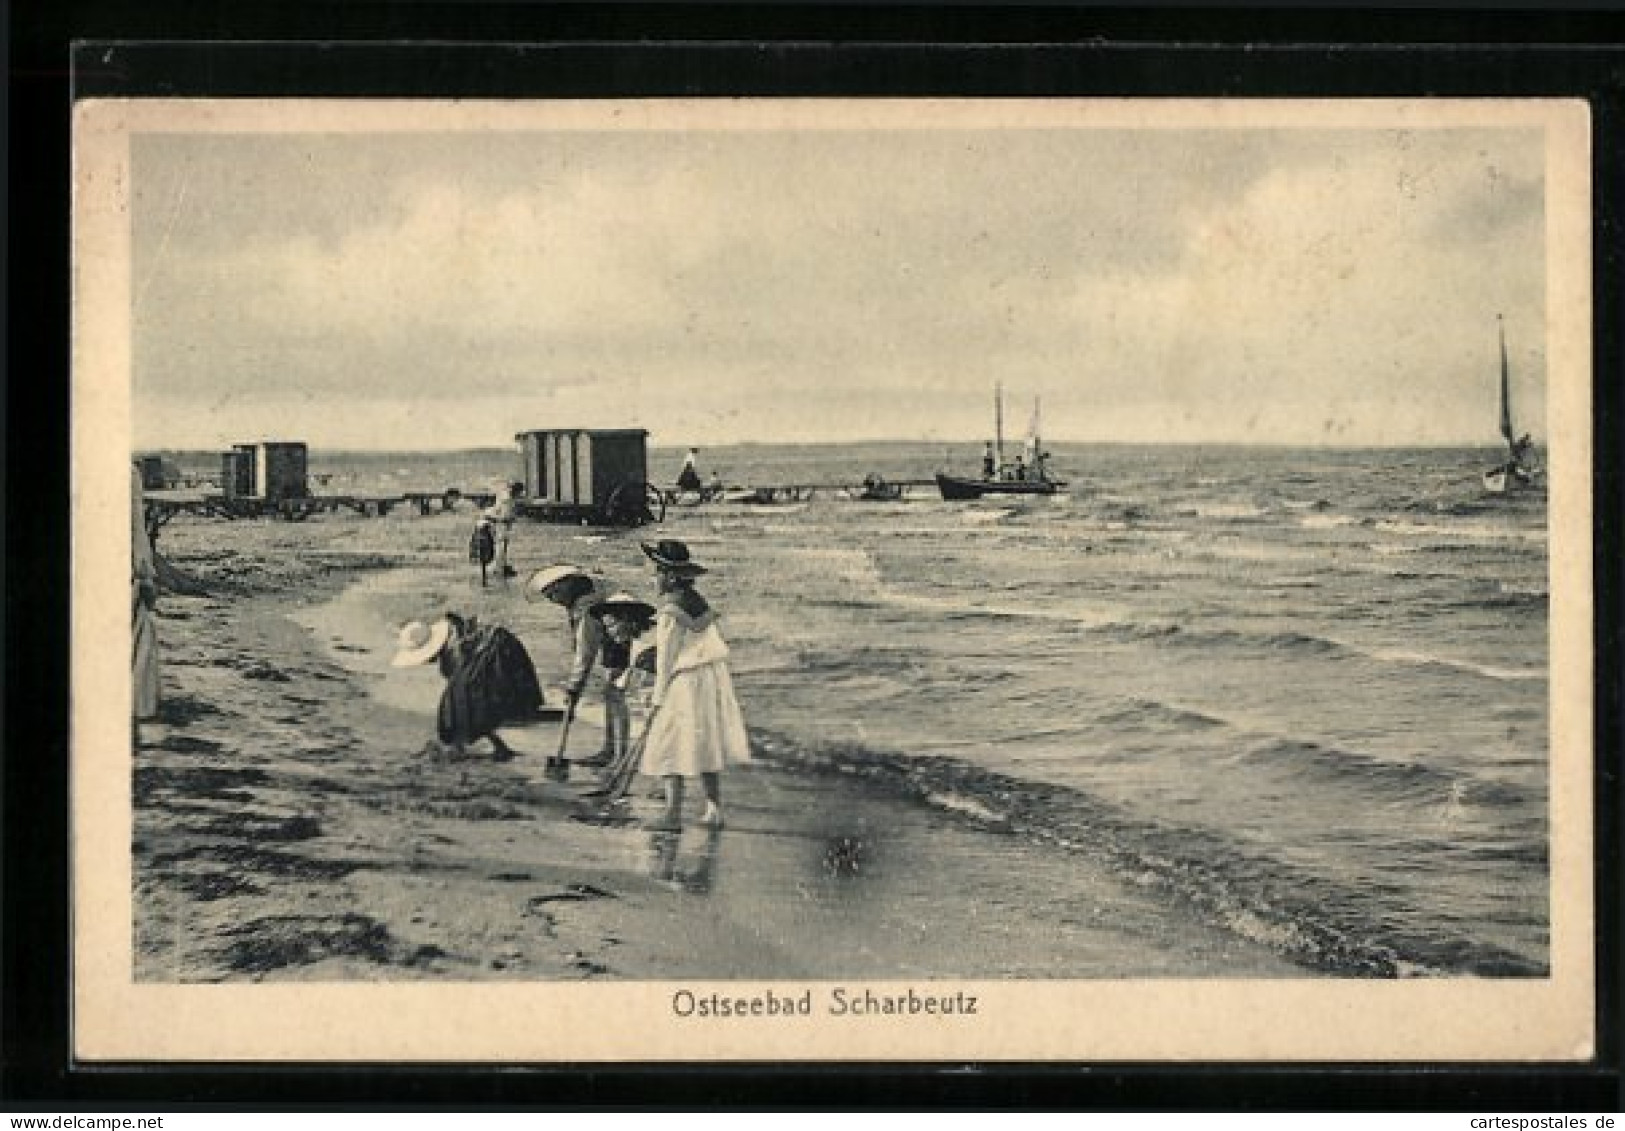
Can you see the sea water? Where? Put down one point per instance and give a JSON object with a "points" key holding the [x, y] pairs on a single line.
{"points": [[1300, 693]]}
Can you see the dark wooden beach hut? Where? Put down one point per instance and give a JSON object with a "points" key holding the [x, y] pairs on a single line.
{"points": [[273, 471], [237, 472], [153, 475], [595, 476]]}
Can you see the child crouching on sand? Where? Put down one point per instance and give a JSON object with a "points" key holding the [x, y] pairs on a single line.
{"points": [[490, 680], [695, 726]]}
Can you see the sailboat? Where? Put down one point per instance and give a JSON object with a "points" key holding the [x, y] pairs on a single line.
{"points": [[1028, 475], [1519, 469]]}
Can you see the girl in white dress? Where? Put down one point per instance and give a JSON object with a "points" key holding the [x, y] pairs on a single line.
{"points": [[695, 727]]}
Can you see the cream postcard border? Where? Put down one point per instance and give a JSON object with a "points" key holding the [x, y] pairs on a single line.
{"points": [[116, 1019]]}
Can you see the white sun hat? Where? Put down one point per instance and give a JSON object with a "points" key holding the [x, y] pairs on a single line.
{"points": [[419, 643], [537, 586]]}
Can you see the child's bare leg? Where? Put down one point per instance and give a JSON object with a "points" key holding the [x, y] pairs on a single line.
{"points": [[671, 819], [712, 785], [617, 724]]}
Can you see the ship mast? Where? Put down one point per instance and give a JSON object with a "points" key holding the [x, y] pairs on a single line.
{"points": [[1506, 394], [998, 423]]}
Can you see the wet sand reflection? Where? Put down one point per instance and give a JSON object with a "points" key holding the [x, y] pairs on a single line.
{"points": [[695, 874]]}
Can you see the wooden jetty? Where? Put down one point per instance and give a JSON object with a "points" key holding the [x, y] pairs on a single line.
{"points": [[872, 489], [162, 506], [271, 479], [428, 501]]}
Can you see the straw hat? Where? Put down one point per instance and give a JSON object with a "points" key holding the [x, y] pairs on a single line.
{"points": [[670, 554], [548, 576], [623, 604], [419, 643]]}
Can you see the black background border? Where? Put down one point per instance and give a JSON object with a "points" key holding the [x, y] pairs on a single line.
{"points": [[482, 49]]}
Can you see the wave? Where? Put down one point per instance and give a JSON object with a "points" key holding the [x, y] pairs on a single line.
{"points": [[1327, 521], [1479, 532], [1372, 775], [1141, 712], [1530, 589], [1411, 781], [1269, 583], [1309, 918], [1232, 512], [1115, 626], [1497, 672], [1270, 641], [978, 515], [953, 609], [1308, 644]]}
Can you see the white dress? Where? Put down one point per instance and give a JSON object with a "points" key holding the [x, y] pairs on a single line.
{"points": [[697, 727], [144, 574]]}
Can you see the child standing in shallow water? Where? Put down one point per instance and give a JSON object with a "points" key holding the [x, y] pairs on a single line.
{"points": [[695, 727]]}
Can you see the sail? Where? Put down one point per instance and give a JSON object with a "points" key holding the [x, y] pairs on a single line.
{"points": [[1032, 445], [1506, 395]]}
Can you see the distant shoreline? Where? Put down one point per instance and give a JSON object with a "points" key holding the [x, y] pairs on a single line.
{"points": [[676, 450]]}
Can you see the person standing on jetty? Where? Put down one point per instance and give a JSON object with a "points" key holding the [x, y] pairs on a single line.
{"points": [[576, 592], [695, 726], [490, 681], [688, 479]]}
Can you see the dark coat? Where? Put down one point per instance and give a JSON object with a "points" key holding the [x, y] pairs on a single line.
{"points": [[482, 547], [490, 682]]}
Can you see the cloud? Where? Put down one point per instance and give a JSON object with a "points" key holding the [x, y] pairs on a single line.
{"points": [[1349, 289], [1287, 285]]}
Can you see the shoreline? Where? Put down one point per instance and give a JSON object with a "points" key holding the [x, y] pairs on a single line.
{"points": [[287, 826]]}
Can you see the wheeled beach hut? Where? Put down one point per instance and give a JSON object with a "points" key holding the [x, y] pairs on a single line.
{"points": [[597, 477]]}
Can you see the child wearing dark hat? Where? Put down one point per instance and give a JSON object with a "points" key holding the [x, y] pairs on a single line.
{"points": [[628, 658], [695, 726]]}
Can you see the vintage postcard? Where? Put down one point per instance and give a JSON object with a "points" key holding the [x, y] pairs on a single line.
{"points": [[814, 580]]}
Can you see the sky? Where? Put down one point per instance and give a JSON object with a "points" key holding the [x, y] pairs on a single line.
{"points": [[449, 289]]}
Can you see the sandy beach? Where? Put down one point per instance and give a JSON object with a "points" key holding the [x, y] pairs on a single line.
{"points": [[289, 824]]}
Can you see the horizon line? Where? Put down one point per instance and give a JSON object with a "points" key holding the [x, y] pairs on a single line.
{"points": [[509, 449]]}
